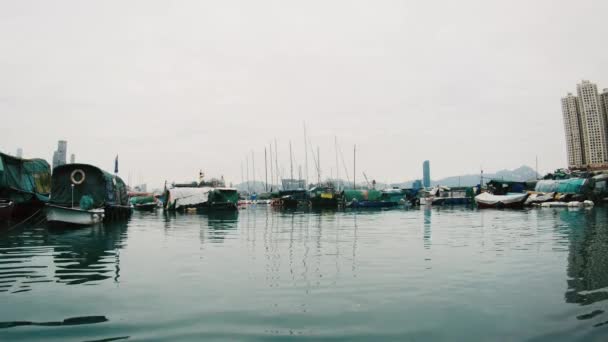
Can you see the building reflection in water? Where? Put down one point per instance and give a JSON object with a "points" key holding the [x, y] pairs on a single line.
{"points": [[83, 255], [588, 256], [427, 227]]}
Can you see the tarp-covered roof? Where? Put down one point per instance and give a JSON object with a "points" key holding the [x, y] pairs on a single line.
{"points": [[103, 187], [22, 179]]}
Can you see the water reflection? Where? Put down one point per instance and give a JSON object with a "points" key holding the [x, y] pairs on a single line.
{"points": [[84, 255], [588, 256]]}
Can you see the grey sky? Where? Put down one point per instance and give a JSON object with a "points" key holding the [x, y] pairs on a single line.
{"points": [[176, 86]]}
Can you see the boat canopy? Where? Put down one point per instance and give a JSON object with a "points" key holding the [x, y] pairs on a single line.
{"points": [[22, 180], [102, 187], [362, 195], [186, 197], [564, 186]]}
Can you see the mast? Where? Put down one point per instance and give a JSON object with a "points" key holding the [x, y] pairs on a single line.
{"points": [[290, 161], [247, 167], [271, 171], [265, 170], [354, 166], [242, 180], [337, 165], [253, 169], [276, 161], [305, 156], [318, 165]]}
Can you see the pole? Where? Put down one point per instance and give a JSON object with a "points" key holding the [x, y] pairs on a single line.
{"points": [[253, 169], [265, 170], [276, 161], [290, 161], [337, 165], [536, 176], [354, 166], [318, 165], [72, 195], [271, 168], [305, 155], [247, 164]]}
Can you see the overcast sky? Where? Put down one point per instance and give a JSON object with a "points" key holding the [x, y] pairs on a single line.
{"points": [[176, 86]]}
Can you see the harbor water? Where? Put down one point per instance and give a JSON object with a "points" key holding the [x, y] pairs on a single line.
{"points": [[440, 274]]}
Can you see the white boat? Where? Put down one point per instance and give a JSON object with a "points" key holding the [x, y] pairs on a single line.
{"points": [[487, 200], [64, 215]]}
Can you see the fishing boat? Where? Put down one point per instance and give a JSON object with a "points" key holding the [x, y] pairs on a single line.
{"points": [[6, 210], [488, 200], [293, 199], [388, 198], [204, 195], [443, 195], [324, 197], [144, 202], [24, 182], [83, 194]]}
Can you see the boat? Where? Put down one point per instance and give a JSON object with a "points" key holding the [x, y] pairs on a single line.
{"points": [[83, 194], [324, 197], [204, 195], [388, 198], [443, 195], [6, 210], [143, 202], [488, 200], [26, 183], [292, 199]]}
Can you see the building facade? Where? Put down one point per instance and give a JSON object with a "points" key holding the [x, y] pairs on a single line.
{"points": [[60, 155], [574, 133], [586, 127], [426, 174]]}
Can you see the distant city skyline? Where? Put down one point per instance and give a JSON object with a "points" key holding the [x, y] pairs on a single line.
{"points": [[199, 85]]}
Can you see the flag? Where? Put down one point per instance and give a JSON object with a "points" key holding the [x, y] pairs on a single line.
{"points": [[116, 165]]}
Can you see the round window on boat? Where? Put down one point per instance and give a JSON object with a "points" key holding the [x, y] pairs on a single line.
{"points": [[77, 176]]}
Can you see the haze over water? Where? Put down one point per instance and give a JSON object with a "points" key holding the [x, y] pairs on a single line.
{"points": [[440, 274]]}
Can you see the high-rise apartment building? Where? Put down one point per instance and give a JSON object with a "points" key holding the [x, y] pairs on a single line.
{"points": [[574, 133], [586, 127], [59, 156], [19, 153], [593, 124]]}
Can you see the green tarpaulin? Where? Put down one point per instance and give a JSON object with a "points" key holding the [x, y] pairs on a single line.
{"points": [[24, 180], [564, 186], [103, 187]]}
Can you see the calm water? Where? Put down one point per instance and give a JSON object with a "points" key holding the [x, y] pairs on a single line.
{"points": [[440, 274]]}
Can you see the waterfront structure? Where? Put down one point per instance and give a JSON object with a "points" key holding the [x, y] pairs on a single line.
{"points": [[586, 127], [426, 174], [59, 156]]}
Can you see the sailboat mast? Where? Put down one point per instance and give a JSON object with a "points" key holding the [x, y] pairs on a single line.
{"points": [[290, 162], [253, 169], [354, 166], [265, 170], [247, 167], [276, 161], [271, 168], [306, 155], [318, 165], [337, 165]]}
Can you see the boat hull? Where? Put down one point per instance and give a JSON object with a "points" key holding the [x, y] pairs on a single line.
{"points": [[57, 215], [485, 201], [372, 204], [6, 210], [146, 206]]}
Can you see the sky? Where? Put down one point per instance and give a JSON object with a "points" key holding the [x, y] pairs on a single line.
{"points": [[173, 87]]}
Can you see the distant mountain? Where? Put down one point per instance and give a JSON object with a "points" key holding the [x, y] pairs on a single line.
{"points": [[520, 174]]}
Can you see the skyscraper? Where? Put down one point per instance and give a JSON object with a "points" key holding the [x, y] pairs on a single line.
{"points": [[59, 156], [72, 158], [586, 127], [19, 153], [593, 124], [574, 134], [426, 174]]}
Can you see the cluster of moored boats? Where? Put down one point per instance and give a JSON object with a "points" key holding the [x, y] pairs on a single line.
{"points": [[83, 194]]}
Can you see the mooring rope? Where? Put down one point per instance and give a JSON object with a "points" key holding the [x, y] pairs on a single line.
{"points": [[27, 219]]}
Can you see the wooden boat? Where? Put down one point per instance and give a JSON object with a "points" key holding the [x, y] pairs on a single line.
{"points": [[292, 199], [83, 194], [324, 198], [6, 210], [488, 200], [388, 198]]}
